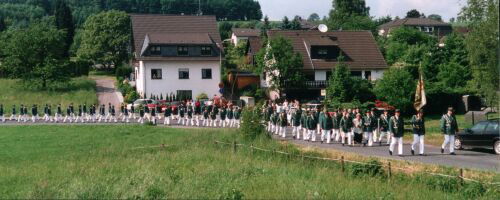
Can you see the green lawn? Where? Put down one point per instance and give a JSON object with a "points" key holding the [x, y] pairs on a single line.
{"points": [[89, 162], [79, 91]]}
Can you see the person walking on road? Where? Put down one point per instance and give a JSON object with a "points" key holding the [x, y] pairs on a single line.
{"points": [[449, 127], [396, 127], [383, 126], [326, 124], [418, 125]]}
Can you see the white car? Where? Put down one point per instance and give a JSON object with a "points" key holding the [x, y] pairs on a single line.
{"points": [[151, 103]]}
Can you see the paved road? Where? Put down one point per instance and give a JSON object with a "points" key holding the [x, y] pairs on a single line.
{"points": [[106, 91], [474, 159]]}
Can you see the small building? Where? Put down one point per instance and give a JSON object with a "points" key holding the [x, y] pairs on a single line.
{"points": [[176, 54], [243, 34], [426, 25], [320, 52]]}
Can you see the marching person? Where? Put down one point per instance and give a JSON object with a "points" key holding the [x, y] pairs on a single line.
{"points": [[197, 112], [326, 124], [336, 126], [45, 113], [383, 126], [34, 113], [68, 115], [1, 113], [182, 110], [102, 113], [153, 115], [146, 112], [175, 113], [396, 127], [125, 115], [368, 127], [108, 116], [303, 125], [267, 116], [357, 129], [312, 126], [346, 128], [158, 112], [222, 113], [206, 114], [230, 117], [58, 113], [282, 122], [49, 112], [375, 129], [122, 112], [21, 113], [72, 109], [93, 113], [237, 117], [80, 115], [449, 127], [141, 115], [167, 115], [113, 114], [13, 114], [85, 114], [190, 112], [274, 119], [296, 116], [132, 111], [213, 116], [418, 125]]}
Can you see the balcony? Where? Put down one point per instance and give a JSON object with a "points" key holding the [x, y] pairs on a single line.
{"points": [[311, 85]]}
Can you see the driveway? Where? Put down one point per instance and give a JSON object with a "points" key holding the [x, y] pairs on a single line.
{"points": [[107, 92]]}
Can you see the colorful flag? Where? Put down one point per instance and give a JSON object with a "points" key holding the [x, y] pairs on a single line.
{"points": [[420, 98]]}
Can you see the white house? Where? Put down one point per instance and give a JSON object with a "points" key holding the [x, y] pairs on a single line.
{"points": [[243, 34], [178, 55]]}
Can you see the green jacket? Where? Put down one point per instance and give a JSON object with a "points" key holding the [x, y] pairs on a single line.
{"points": [[369, 123], [303, 120], [449, 125], [237, 114], [282, 121], [396, 126], [311, 123], [418, 125], [296, 118], [326, 122], [346, 124], [336, 122], [274, 118]]}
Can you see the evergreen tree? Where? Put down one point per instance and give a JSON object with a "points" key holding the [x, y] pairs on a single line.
{"points": [[413, 14], [285, 24], [265, 27], [161, 96], [64, 21], [295, 25], [350, 15], [339, 84], [3, 26]]}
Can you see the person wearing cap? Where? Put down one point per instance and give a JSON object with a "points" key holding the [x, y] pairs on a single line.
{"points": [[296, 118], [312, 126], [368, 127], [167, 114], [418, 125], [45, 113], [374, 125], [336, 126], [13, 114], [141, 115], [282, 122], [449, 127], [346, 128], [303, 124], [237, 117], [222, 116], [383, 126], [34, 113], [58, 113], [396, 127]]}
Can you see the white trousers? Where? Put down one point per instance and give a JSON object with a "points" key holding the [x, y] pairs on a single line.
{"points": [[283, 131], [167, 121], [305, 134], [418, 139], [399, 140], [328, 135], [312, 135], [369, 137], [296, 132], [336, 134], [2, 118], [449, 139], [375, 133], [141, 120], [12, 117], [384, 133], [350, 137]]}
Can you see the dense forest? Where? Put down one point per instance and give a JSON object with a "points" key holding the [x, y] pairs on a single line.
{"points": [[21, 12]]}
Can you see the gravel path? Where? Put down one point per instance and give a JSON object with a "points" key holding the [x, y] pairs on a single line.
{"points": [[106, 91]]}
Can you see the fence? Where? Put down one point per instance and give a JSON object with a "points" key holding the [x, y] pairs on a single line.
{"points": [[390, 168]]}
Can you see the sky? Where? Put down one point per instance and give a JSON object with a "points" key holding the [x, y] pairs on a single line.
{"points": [[277, 9]]}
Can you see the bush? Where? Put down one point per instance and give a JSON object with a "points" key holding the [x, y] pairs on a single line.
{"points": [[374, 168], [79, 68], [131, 97], [124, 71], [397, 87], [251, 123], [202, 96]]}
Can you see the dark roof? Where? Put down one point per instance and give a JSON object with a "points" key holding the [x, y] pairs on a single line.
{"points": [[246, 32], [180, 38], [304, 24], [162, 27], [254, 44], [359, 46], [413, 22]]}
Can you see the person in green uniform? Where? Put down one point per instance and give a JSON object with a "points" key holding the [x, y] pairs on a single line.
{"points": [[336, 126], [80, 114], [223, 113], [206, 114], [274, 119], [2, 118], [418, 126], [125, 115], [282, 122], [68, 115], [312, 125], [326, 125], [230, 117], [153, 115], [383, 126], [167, 115], [197, 112], [182, 111], [141, 114], [267, 117], [449, 127], [13, 114], [296, 116], [34, 113], [396, 127], [303, 125], [49, 113], [368, 124], [45, 115], [346, 128], [237, 116]]}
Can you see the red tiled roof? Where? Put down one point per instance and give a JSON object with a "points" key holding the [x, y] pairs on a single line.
{"points": [[359, 46], [143, 24], [246, 32]]}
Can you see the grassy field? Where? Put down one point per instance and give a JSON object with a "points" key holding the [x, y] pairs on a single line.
{"points": [[89, 162], [79, 91]]}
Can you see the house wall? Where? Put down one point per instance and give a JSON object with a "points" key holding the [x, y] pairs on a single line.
{"points": [[170, 81], [235, 40], [320, 75]]}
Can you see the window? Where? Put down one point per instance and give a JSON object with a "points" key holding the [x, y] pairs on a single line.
{"points": [[479, 128], [492, 128], [206, 51], [183, 73], [155, 50], [428, 29], [356, 74], [368, 75], [325, 52], [184, 95], [182, 51], [206, 73], [322, 52], [155, 74], [328, 75]]}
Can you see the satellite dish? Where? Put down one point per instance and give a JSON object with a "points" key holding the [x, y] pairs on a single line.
{"points": [[323, 28]]}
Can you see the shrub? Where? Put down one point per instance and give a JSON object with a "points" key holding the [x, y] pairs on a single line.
{"points": [[123, 71], [202, 96], [131, 97], [251, 126], [373, 168]]}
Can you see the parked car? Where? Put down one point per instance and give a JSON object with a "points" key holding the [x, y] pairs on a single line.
{"points": [[149, 102], [484, 134]]}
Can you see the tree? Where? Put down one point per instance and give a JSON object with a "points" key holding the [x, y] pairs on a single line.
{"points": [[3, 26], [413, 14], [281, 64], [34, 55], [346, 14], [295, 25], [339, 84], [435, 17], [313, 17], [482, 44], [397, 87], [106, 39], [45, 4], [285, 23], [383, 20], [64, 21], [265, 27]]}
